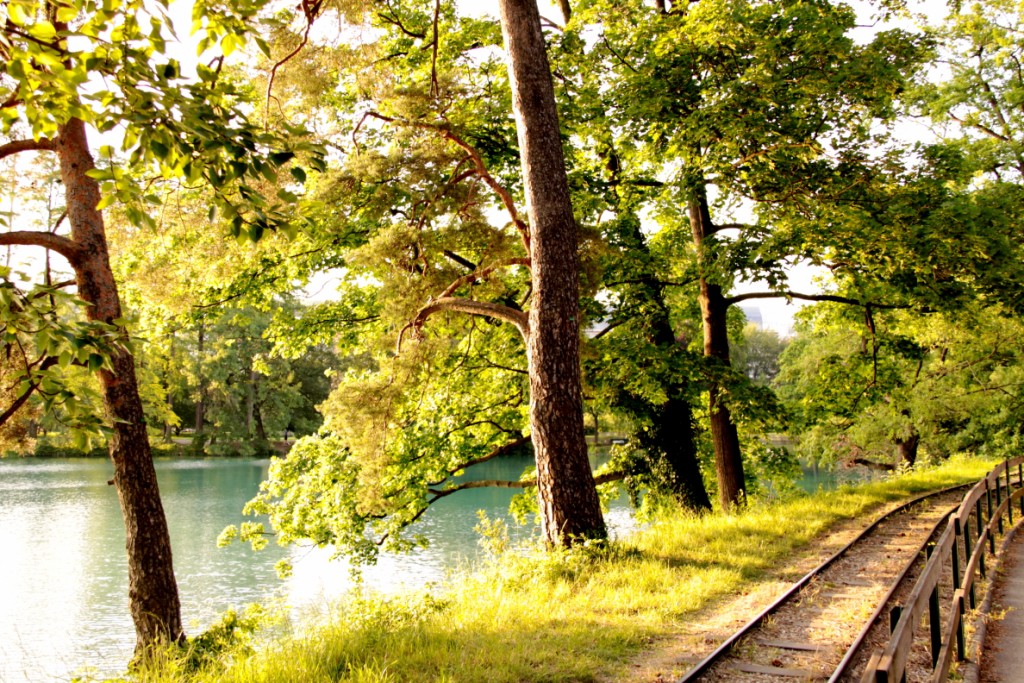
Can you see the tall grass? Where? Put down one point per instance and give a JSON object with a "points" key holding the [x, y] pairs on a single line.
{"points": [[562, 616]]}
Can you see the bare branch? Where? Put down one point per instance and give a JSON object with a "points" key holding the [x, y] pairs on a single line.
{"points": [[394, 20], [735, 299], [482, 275], [980, 126], [311, 10], [478, 163], [609, 327], [435, 86], [59, 244], [23, 399], [622, 60], [16, 146], [464, 262]]}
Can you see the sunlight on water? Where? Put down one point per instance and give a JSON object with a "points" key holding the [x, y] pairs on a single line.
{"points": [[64, 605]]}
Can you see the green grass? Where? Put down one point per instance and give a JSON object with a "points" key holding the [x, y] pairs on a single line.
{"points": [[565, 616]]}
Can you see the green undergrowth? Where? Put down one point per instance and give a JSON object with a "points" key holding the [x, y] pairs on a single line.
{"points": [[563, 616]]}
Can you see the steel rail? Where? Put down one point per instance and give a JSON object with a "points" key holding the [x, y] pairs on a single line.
{"points": [[851, 652], [726, 646]]}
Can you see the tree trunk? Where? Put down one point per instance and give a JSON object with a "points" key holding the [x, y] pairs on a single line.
{"points": [[168, 428], [261, 431], [569, 505], [152, 590], [671, 443], [906, 449], [199, 433], [672, 439], [713, 307], [250, 402]]}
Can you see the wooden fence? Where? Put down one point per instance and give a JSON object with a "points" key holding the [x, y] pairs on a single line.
{"points": [[962, 548]]}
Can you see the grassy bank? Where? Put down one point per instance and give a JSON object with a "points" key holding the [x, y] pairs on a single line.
{"points": [[565, 616]]}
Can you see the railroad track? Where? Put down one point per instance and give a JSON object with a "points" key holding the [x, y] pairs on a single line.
{"points": [[813, 631]]}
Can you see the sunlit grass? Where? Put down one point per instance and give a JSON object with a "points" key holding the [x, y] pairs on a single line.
{"points": [[565, 616]]}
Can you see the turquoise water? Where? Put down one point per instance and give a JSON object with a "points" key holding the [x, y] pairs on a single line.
{"points": [[63, 601]]}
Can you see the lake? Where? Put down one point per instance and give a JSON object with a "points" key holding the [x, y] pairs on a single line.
{"points": [[64, 604]]}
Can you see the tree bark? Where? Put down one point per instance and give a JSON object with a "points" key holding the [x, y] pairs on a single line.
{"points": [[569, 505], [714, 307], [261, 431], [906, 449], [152, 589], [199, 430], [250, 402]]}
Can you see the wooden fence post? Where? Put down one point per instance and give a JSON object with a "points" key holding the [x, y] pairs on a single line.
{"points": [[1020, 483], [934, 615], [967, 551], [988, 498], [978, 520], [894, 618], [957, 533], [1009, 497]]}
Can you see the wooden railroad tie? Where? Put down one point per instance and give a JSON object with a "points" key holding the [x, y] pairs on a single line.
{"points": [[802, 674]]}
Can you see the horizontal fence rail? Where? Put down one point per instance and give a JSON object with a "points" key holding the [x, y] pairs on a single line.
{"points": [[956, 559]]}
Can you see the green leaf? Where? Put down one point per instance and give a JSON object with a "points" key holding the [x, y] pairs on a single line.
{"points": [[298, 173], [43, 30], [281, 158], [66, 14], [16, 13], [159, 149]]}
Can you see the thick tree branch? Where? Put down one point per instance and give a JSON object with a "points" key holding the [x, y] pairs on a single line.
{"points": [[484, 309], [980, 126], [735, 299], [871, 464], [57, 243], [17, 146], [566, 10], [496, 453], [464, 262], [509, 484], [609, 327]]}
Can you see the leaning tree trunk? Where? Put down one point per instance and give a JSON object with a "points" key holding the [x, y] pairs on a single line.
{"points": [[906, 450], [713, 308], [672, 440], [568, 498], [152, 590]]}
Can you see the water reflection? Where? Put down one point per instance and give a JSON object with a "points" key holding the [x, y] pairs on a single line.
{"points": [[62, 565]]}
